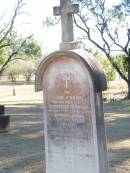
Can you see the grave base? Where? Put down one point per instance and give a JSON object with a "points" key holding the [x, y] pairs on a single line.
{"points": [[2, 110], [4, 123]]}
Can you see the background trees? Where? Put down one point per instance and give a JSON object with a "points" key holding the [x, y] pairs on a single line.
{"points": [[106, 28], [31, 49], [17, 53], [23, 63], [15, 46], [108, 69]]}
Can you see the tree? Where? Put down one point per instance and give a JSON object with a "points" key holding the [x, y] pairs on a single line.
{"points": [[18, 67], [103, 27], [12, 73], [10, 41], [108, 69], [32, 49], [27, 70]]}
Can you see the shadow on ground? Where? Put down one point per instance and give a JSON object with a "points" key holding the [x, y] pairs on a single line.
{"points": [[22, 148], [117, 115]]}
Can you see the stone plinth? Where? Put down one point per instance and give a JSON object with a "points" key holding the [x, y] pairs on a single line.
{"points": [[2, 109], [73, 112], [4, 120], [4, 123]]}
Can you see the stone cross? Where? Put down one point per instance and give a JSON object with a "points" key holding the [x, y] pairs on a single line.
{"points": [[66, 10]]}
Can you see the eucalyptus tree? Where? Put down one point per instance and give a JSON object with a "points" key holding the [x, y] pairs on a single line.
{"points": [[10, 41], [106, 27], [32, 49]]}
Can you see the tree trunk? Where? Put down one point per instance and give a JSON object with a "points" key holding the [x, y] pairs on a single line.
{"points": [[128, 94], [128, 83], [13, 84]]}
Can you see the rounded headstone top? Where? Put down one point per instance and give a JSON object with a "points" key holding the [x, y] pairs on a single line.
{"points": [[89, 61]]}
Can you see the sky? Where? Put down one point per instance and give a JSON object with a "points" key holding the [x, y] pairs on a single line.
{"points": [[31, 22]]}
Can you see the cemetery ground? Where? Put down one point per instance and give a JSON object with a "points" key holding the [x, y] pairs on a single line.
{"points": [[22, 147]]}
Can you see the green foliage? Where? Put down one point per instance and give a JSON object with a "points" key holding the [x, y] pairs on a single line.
{"points": [[50, 21], [8, 45], [32, 49], [125, 6], [3, 55], [108, 69], [11, 43], [122, 61]]}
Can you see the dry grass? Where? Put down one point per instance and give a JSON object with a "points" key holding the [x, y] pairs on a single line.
{"points": [[22, 148], [117, 116], [116, 90]]}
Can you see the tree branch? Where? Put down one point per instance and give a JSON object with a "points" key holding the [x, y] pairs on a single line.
{"points": [[87, 31], [15, 52], [118, 70], [19, 5]]}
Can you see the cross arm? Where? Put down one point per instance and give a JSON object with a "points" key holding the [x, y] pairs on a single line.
{"points": [[71, 9]]}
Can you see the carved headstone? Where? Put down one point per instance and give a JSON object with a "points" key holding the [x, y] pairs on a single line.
{"points": [[73, 113]]}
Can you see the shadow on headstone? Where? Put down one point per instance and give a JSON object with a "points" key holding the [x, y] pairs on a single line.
{"points": [[4, 120]]}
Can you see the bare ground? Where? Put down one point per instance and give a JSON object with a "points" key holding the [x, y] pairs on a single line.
{"points": [[22, 148], [117, 117]]}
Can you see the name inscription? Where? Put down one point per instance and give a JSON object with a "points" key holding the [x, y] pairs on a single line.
{"points": [[70, 129], [69, 116]]}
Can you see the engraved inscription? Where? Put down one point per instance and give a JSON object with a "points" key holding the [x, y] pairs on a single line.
{"points": [[68, 114], [70, 131]]}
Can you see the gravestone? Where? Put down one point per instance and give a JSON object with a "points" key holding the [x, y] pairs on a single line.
{"points": [[4, 120], [73, 114], [72, 82]]}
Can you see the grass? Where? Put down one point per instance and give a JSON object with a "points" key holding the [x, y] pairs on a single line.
{"points": [[116, 90], [22, 148], [24, 94]]}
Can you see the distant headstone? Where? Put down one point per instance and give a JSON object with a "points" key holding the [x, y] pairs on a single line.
{"points": [[2, 109], [73, 112], [4, 120], [4, 123]]}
